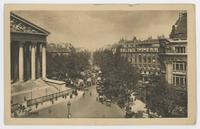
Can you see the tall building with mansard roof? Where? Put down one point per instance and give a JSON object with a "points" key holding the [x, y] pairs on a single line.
{"points": [[173, 55], [179, 29]]}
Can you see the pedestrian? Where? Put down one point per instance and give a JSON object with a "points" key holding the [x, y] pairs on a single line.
{"points": [[75, 92], [71, 96]]}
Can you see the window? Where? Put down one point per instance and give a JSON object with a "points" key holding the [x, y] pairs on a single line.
{"points": [[180, 49], [179, 80], [140, 58], [145, 60], [179, 66]]}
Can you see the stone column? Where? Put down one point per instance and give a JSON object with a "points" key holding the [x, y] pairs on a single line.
{"points": [[33, 62], [44, 61], [28, 63], [21, 62], [38, 62]]}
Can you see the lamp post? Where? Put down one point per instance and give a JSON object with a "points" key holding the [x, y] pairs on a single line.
{"points": [[68, 107], [31, 92]]}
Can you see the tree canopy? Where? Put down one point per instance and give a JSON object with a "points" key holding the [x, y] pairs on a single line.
{"points": [[119, 73], [58, 65]]}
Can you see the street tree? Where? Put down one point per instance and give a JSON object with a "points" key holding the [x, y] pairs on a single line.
{"points": [[120, 74], [162, 98]]}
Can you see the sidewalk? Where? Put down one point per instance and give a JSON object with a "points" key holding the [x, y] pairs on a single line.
{"points": [[34, 110], [137, 105], [20, 97], [32, 89]]}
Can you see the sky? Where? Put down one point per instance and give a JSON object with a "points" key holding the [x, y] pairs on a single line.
{"points": [[95, 29]]}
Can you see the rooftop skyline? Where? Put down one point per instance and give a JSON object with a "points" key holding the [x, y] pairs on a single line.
{"points": [[95, 29]]}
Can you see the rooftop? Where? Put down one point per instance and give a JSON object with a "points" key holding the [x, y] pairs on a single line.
{"points": [[21, 25], [179, 29]]}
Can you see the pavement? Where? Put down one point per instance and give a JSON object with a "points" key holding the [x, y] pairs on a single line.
{"points": [[137, 105], [30, 90], [47, 105], [33, 89], [81, 107]]}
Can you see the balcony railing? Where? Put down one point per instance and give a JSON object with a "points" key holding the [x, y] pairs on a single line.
{"points": [[48, 97]]}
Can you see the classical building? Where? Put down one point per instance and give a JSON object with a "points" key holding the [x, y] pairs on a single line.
{"points": [[28, 49], [28, 65], [144, 55], [173, 54]]}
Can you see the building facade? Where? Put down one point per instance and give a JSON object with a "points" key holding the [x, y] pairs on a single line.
{"points": [[59, 49], [173, 54], [28, 50], [144, 55]]}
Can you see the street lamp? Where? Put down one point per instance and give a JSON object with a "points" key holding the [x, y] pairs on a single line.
{"points": [[68, 107]]}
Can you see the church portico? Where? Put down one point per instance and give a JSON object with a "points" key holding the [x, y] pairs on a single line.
{"points": [[28, 50], [27, 60]]}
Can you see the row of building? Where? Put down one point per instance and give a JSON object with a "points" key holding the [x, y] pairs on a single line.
{"points": [[59, 49], [167, 56], [142, 54], [161, 56]]}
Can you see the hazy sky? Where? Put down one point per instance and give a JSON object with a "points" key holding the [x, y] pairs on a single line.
{"points": [[95, 29]]}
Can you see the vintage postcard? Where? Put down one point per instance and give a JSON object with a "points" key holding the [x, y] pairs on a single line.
{"points": [[99, 64]]}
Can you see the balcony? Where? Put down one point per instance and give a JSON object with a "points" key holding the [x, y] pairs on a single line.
{"points": [[179, 72]]}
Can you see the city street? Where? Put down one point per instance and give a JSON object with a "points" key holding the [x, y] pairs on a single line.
{"points": [[84, 107], [102, 72]]}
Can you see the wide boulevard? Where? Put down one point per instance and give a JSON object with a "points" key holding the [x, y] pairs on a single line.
{"points": [[84, 107]]}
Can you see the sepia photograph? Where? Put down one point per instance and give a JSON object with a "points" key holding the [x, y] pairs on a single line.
{"points": [[115, 62]]}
